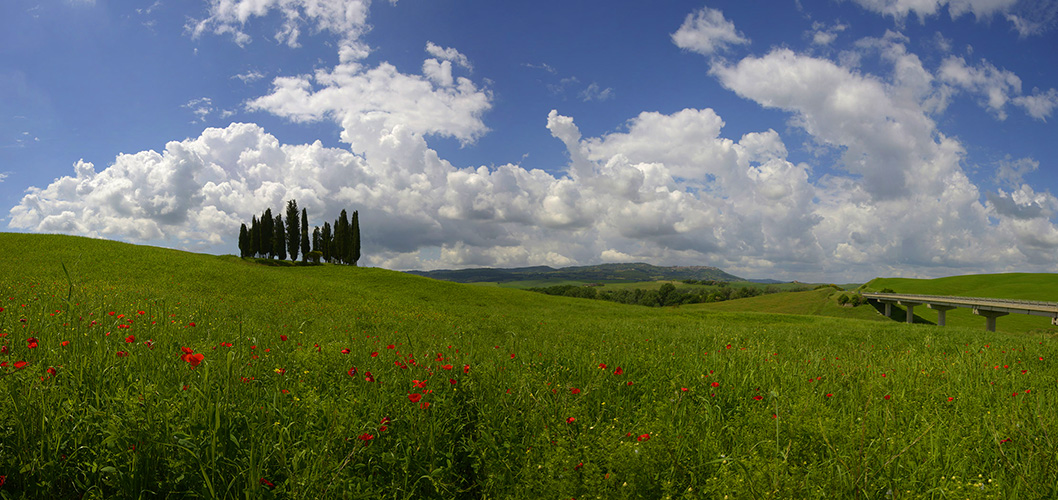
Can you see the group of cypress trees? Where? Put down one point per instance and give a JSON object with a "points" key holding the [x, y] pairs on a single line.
{"points": [[271, 238]]}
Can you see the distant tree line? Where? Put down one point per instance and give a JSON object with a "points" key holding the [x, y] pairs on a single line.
{"points": [[271, 238], [667, 295]]}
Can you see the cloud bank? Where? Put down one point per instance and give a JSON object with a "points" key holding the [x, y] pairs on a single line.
{"points": [[664, 188]]}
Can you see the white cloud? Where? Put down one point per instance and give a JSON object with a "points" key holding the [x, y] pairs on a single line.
{"points": [[705, 31], [1039, 105], [249, 76], [201, 107], [594, 93], [4, 175], [448, 54], [994, 86], [822, 34], [345, 18], [981, 9]]}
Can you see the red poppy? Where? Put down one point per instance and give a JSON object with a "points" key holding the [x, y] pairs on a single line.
{"points": [[283, 338], [466, 368], [602, 366], [187, 350], [683, 389], [453, 381], [829, 395], [643, 437], [352, 372], [574, 390], [130, 339], [3, 349], [366, 437], [186, 387], [446, 367], [424, 405], [758, 398], [419, 383], [194, 359], [570, 420], [628, 383], [512, 355], [122, 354], [887, 397], [374, 354], [51, 371], [368, 377], [619, 371], [20, 365], [414, 397], [715, 384], [391, 346], [32, 345], [266, 483], [578, 466], [345, 351]]}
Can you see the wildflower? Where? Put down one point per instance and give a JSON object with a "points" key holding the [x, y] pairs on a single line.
{"points": [[414, 397], [446, 367], [453, 381], [352, 372], [186, 387], [643, 437], [267, 483], [51, 371], [574, 390], [419, 383], [374, 354], [122, 354], [345, 351], [466, 368], [4, 349], [283, 338], [366, 437], [391, 346], [193, 359], [758, 398], [887, 397], [602, 366], [424, 405], [191, 324], [715, 384], [20, 365], [829, 395], [629, 383], [619, 371], [683, 389], [578, 466], [130, 339], [570, 420], [187, 350], [368, 377]]}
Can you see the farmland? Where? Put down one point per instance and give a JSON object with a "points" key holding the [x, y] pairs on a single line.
{"points": [[139, 372]]}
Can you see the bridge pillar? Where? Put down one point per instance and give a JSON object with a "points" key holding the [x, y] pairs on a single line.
{"points": [[888, 309], [941, 310], [990, 317], [910, 309]]}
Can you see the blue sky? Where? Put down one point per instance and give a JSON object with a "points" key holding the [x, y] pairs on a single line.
{"points": [[810, 140]]}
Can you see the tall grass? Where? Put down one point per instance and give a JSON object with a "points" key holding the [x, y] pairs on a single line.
{"points": [[335, 382]]}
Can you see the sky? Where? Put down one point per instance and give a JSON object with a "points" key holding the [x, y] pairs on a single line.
{"points": [[797, 140]]}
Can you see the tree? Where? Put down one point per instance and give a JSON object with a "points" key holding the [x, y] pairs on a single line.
{"points": [[316, 247], [305, 243], [326, 238], [244, 241], [255, 237], [279, 236], [341, 237], [293, 230], [354, 237], [267, 226]]}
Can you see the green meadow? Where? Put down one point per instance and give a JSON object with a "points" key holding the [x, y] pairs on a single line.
{"points": [[139, 372]]}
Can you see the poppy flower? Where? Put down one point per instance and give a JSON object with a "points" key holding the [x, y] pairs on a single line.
{"points": [[391, 346], [374, 354], [829, 395], [366, 437], [352, 372], [424, 405], [266, 482], [194, 359], [887, 397], [453, 381], [130, 339], [683, 389], [122, 354], [715, 384], [419, 383], [758, 398], [602, 366], [570, 420], [187, 350], [283, 338], [382, 429], [414, 397], [345, 351], [368, 377], [574, 390], [619, 371], [446, 367], [3, 349], [466, 368], [51, 371], [643, 437], [20, 365]]}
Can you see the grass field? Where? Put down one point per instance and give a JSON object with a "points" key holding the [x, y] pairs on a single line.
{"points": [[338, 382]]}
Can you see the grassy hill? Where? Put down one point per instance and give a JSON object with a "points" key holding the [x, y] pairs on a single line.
{"points": [[821, 302], [146, 372], [1020, 286], [602, 273]]}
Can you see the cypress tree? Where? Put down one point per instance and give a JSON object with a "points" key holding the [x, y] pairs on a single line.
{"points": [[279, 239], [255, 237], [341, 237], [293, 230], [316, 240], [305, 236], [325, 241], [267, 236], [354, 239], [244, 241]]}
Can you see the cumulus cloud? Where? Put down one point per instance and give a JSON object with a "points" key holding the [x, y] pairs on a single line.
{"points": [[981, 9], [1039, 105], [705, 31], [365, 101], [249, 76], [448, 54], [822, 34]]}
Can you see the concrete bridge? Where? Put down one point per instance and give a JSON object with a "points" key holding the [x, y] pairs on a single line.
{"points": [[990, 309]]}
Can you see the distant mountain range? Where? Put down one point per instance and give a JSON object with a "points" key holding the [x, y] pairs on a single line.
{"points": [[601, 272]]}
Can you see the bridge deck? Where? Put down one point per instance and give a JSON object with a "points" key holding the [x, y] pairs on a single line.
{"points": [[990, 308]]}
